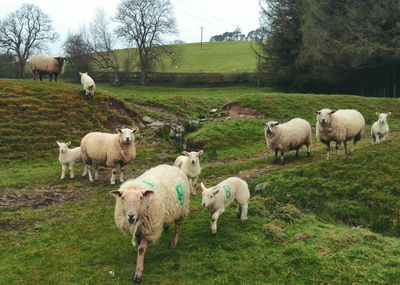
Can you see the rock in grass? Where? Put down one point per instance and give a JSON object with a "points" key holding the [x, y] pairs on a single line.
{"points": [[213, 111], [147, 120], [260, 187]]}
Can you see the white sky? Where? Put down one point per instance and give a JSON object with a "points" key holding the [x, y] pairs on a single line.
{"points": [[216, 16]]}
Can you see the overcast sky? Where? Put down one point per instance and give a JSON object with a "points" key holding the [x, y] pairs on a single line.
{"points": [[216, 16]]}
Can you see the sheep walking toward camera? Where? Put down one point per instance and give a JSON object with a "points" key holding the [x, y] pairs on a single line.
{"points": [[88, 84], [289, 136], [109, 150], [189, 162], [46, 65], [380, 129], [68, 157], [339, 126], [218, 197], [146, 204]]}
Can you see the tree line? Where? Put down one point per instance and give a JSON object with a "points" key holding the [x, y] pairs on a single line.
{"points": [[141, 24], [237, 35], [341, 46]]}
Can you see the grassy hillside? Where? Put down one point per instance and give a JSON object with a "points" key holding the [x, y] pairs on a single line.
{"points": [[316, 221]]}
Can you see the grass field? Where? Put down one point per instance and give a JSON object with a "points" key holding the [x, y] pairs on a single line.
{"points": [[316, 221]]}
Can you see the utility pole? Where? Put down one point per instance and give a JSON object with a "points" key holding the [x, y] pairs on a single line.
{"points": [[201, 37]]}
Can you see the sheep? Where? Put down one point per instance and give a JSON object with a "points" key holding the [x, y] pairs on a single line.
{"points": [[380, 129], [88, 84], [217, 198], [109, 150], [190, 164], [339, 126], [291, 135], [46, 65], [147, 204], [69, 157]]}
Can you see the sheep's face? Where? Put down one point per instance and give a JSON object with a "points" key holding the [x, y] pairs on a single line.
{"points": [[382, 118], [63, 147], [269, 127], [208, 196], [133, 202], [127, 135], [324, 116], [193, 156]]}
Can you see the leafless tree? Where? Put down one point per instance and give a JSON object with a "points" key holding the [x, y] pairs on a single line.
{"points": [[143, 23], [77, 52], [25, 31]]}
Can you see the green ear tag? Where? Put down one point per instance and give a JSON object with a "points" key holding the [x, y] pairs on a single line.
{"points": [[227, 191], [179, 193], [149, 183]]}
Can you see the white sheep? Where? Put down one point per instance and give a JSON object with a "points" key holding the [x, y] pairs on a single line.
{"points": [[68, 157], [189, 162], [339, 126], [46, 65], [88, 84], [150, 202], [217, 198], [109, 150], [291, 135], [380, 129]]}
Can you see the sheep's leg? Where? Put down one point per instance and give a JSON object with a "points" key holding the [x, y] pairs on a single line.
{"points": [[90, 174], [114, 170], [71, 170], [282, 154], [192, 190], [238, 211], [276, 156], [308, 150], [376, 138], [214, 220], [121, 175], [328, 150], [297, 152], [134, 233], [140, 260], [62, 171], [96, 172], [337, 149], [243, 216], [55, 77], [384, 137], [40, 76], [345, 147], [194, 185], [175, 238], [84, 170]]}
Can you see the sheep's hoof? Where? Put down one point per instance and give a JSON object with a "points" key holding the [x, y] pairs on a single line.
{"points": [[137, 278], [112, 182], [243, 221], [308, 154], [172, 245], [213, 233]]}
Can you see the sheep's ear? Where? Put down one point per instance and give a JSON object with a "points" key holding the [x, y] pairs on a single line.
{"points": [[58, 143], [275, 124], [135, 130], [185, 153], [116, 193], [317, 112], [376, 113], [147, 193], [202, 186], [118, 130], [331, 112], [216, 191], [80, 73], [388, 114], [68, 143], [200, 152]]}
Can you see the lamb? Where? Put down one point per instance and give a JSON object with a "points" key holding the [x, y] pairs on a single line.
{"points": [[339, 126], [217, 198], [190, 164], [291, 135], [150, 202], [46, 65], [88, 84], [380, 129], [68, 157], [109, 150]]}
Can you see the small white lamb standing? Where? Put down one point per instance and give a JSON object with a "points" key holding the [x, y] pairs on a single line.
{"points": [[217, 198], [88, 84], [380, 129], [189, 162], [68, 157]]}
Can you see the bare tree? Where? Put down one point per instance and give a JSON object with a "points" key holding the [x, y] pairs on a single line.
{"points": [[143, 25], [77, 52], [25, 31], [101, 41]]}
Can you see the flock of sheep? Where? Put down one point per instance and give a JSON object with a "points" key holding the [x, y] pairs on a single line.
{"points": [[161, 195]]}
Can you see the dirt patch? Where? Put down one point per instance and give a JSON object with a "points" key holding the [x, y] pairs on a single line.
{"points": [[38, 198], [235, 111], [157, 109], [113, 121]]}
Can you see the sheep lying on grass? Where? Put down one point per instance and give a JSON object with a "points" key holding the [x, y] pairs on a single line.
{"points": [[146, 204], [288, 136], [217, 198], [68, 157], [189, 162], [109, 150], [46, 65], [88, 84], [339, 126], [380, 129]]}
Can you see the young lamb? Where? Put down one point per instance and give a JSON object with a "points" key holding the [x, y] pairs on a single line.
{"points": [[46, 65], [109, 150], [68, 157], [291, 135], [146, 204], [88, 84], [339, 126], [189, 162], [380, 129], [217, 198]]}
